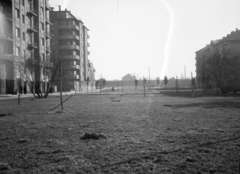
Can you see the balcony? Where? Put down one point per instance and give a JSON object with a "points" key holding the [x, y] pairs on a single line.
{"points": [[31, 46], [32, 12], [76, 47], [6, 36], [73, 77], [88, 36], [70, 57], [68, 27], [7, 57], [41, 18], [71, 67], [48, 50], [31, 29], [48, 36], [68, 37], [8, 16], [18, 41], [88, 44], [47, 21], [17, 22], [46, 64]]}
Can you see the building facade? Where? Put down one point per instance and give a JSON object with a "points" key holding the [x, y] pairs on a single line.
{"points": [[24, 34], [70, 45], [228, 45]]}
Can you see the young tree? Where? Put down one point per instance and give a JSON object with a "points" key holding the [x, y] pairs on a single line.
{"points": [[88, 80], [165, 81], [144, 85], [101, 82], [158, 80], [135, 82], [223, 71], [34, 68]]}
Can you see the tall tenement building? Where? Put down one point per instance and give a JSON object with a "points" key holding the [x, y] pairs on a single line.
{"points": [[229, 46], [70, 45], [24, 34]]}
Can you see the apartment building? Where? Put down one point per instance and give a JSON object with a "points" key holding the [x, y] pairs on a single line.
{"points": [[91, 76], [24, 34], [70, 45], [228, 45]]}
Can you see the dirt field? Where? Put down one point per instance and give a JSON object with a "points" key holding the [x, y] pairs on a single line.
{"points": [[153, 134]]}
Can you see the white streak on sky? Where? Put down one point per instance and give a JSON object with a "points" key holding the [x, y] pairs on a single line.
{"points": [[65, 4], [169, 37]]}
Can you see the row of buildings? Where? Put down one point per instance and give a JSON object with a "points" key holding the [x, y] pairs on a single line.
{"points": [[229, 45], [31, 29]]}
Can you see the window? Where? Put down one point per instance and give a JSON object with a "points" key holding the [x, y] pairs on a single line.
{"points": [[41, 11], [23, 19], [16, 13], [52, 42], [42, 26], [23, 53], [52, 33], [2, 29], [43, 57], [17, 32], [17, 51], [23, 36], [42, 41], [22, 2], [44, 72], [69, 32], [1, 48], [69, 53]]}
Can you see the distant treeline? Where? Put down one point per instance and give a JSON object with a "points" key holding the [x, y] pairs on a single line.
{"points": [[171, 83]]}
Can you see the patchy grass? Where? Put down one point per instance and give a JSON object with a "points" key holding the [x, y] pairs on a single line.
{"points": [[153, 134]]}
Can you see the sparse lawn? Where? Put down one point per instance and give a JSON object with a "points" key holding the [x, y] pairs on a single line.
{"points": [[153, 134]]}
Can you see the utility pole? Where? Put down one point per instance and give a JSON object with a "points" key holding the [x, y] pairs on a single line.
{"points": [[177, 84], [184, 78], [122, 85], [19, 87], [101, 85], [149, 77], [61, 86], [192, 85], [144, 83]]}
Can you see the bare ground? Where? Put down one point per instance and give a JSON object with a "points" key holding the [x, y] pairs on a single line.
{"points": [[153, 134]]}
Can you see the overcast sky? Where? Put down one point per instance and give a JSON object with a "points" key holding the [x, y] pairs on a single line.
{"points": [[129, 36]]}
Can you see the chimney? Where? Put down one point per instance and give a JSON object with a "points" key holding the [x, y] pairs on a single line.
{"points": [[59, 7]]}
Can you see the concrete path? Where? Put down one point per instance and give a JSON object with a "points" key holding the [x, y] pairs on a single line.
{"points": [[30, 95]]}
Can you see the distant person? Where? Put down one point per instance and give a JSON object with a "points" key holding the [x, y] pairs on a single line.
{"points": [[50, 90], [20, 89], [25, 89]]}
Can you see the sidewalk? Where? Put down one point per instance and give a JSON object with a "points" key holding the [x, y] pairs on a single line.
{"points": [[30, 95]]}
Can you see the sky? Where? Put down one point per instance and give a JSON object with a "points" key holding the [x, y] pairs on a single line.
{"points": [[156, 36]]}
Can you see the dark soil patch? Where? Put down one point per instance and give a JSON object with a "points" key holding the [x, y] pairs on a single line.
{"points": [[95, 136]]}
